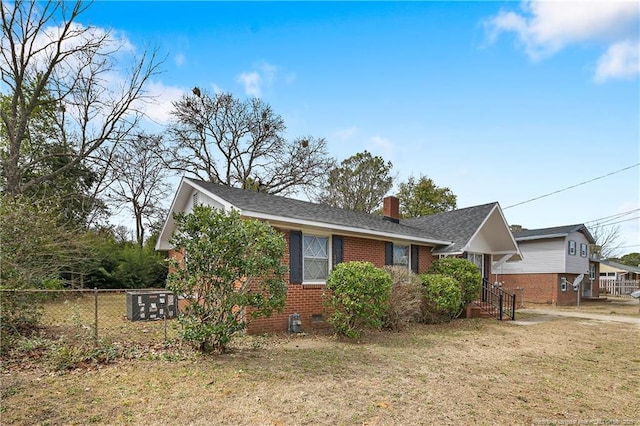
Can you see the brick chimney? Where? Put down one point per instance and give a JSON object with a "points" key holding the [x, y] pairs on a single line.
{"points": [[391, 209]]}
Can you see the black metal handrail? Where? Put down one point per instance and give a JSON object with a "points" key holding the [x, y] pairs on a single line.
{"points": [[497, 301]]}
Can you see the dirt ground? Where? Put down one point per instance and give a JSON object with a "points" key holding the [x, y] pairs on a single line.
{"points": [[470, 372]]}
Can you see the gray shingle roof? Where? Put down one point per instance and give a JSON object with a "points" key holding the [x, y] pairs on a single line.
{"points": [[556, 231], [622, 266], [456, 225], [297, 209]]}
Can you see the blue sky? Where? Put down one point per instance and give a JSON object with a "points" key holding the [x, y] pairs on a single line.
{"points": [[499, 101]]}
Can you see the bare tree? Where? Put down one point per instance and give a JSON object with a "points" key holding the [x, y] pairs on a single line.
{"points": [[240, 143], [49, 60], [607, 238], [139, 180]]}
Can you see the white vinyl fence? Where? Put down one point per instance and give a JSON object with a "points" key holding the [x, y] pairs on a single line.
{"points": [[615, 287]]}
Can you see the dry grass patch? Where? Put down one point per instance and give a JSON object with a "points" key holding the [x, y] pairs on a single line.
{"points": [[466, 372], [624, 306]]}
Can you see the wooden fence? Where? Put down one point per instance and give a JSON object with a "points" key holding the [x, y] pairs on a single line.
{"points": [[622, 288]]}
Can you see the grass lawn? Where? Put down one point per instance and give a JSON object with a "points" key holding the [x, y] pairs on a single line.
{"points": [[477, 371]]}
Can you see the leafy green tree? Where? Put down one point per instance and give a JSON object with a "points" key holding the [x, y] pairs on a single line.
{"points": [[36, 245], [631, 259], [45, 153], [359, 183], [37, 251], [442, 297], [466, 275], [423, 198], [358, 297], [231, 272]]}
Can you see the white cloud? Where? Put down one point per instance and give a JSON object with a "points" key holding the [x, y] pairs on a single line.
{"points": [[216, 89], [159, 110], [179, 59], [346, 134], [251, 82], [546, 27], [268, 72], [622, 60], [383, 147], [265, 75]]}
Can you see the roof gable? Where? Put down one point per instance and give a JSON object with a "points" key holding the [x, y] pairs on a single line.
{"points": [[554, 232], [465, 227]]}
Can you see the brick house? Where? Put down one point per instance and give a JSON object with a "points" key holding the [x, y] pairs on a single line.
{"points": [[319, 237], [553, 260]]}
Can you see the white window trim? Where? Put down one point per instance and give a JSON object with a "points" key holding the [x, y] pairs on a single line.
{"points": [[481, 255], [329, 257], [592, 271], [584, 250]]}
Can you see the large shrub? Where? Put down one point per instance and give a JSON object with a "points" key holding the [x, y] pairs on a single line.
{"points": [[405, 302], [231, 272], [357, 298], [465, 273], [442, 297]]}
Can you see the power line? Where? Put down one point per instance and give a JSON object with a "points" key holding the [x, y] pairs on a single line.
{"points": [[613, 223], [573, 186], [602, 220]]}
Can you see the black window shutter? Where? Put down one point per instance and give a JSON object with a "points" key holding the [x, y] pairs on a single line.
{"points": [[336, 247], [295, 257], [388, 253], [414, 258]]}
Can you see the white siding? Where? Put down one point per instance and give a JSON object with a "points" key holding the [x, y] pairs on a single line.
{"points": [[479, 244], [576, 264], [540, 256], [202, 199]]}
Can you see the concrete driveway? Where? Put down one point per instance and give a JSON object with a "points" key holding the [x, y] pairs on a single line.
{"points": [[543, 315]]}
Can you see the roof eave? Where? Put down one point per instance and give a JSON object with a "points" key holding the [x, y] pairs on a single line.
{"points": [[329, 226]]}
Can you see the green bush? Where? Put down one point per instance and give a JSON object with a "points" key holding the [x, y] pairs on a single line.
{"points": [[465, 273], [231, 272], [405, 302], [357, 297], [442, 297]]}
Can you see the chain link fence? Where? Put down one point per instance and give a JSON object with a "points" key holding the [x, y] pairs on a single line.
{"points": [[122, 315]]}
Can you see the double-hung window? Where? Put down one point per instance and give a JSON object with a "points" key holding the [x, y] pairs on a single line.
{"points": [[572, 247], [401, 255], [477, 259], [583, 250], [315, 263]]}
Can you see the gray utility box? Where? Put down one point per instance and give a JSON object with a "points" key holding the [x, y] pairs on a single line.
{"points": [[151, 305]]}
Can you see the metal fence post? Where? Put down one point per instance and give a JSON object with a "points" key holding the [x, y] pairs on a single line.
{"points": [[95, 321]]}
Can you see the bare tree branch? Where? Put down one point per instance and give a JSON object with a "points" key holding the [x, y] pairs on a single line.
{"points": [[58, 62], [240, 143]]}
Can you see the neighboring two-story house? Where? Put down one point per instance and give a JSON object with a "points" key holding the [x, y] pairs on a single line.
{"points": [[553, 260], [318, 237]]}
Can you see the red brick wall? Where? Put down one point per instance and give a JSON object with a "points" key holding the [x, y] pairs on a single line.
{"points": [[541, 288], [363, 249], [306, 300], [425, 258]]}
